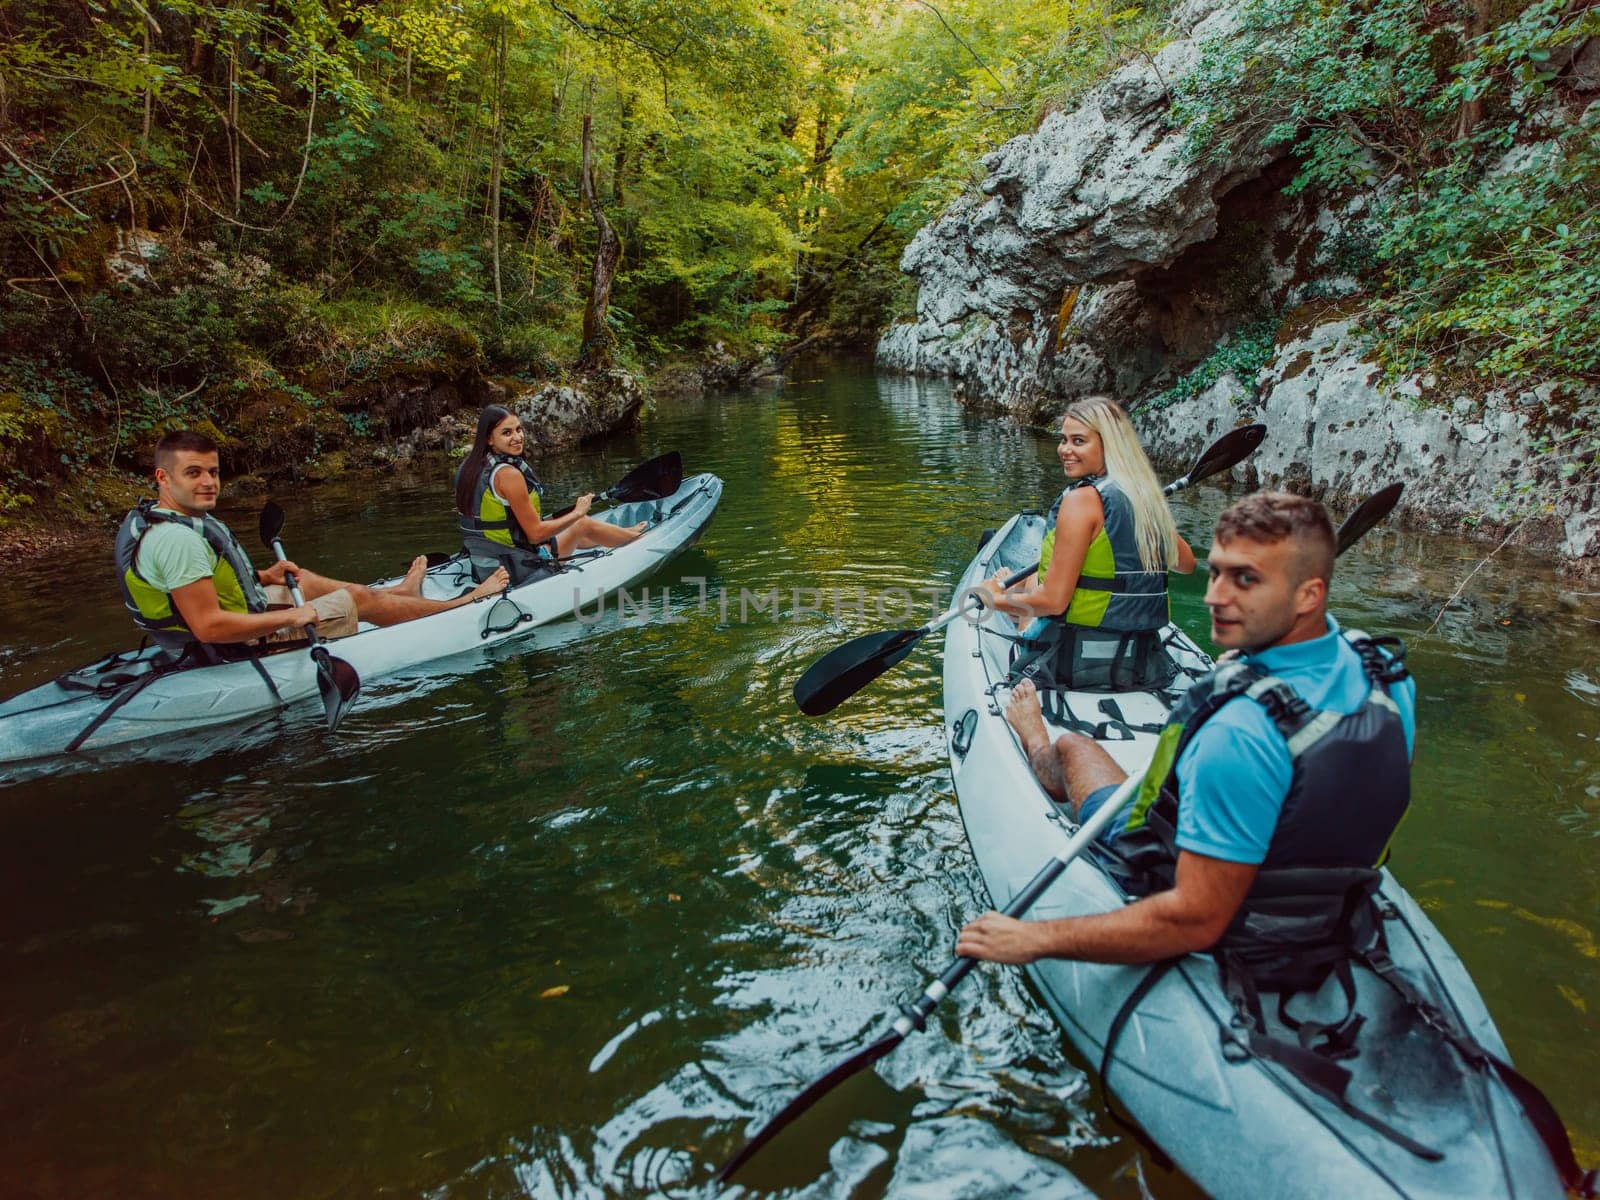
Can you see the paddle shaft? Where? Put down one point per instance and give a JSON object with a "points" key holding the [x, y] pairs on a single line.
{"points": [[294, 589], [1022, 901]]}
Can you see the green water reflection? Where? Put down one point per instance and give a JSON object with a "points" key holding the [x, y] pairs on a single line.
{"points": [[561, 919]]}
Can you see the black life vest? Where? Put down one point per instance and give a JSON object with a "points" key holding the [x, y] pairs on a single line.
{"points": [[1319, 825], [151, 608]]}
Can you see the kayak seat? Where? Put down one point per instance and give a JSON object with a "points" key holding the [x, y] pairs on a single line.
{"points": [[115, 671], [523, 565], [1077, 658]]}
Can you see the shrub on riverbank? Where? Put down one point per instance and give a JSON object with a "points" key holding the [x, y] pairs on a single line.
{"points": [[1474, 128]]}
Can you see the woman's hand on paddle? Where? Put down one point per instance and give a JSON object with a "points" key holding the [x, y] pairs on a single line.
{"points": [[995, 588], [273, 576], [581, 507], [995, 937]]}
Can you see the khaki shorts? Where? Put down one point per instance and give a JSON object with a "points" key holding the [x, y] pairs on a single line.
{"points": [[336, 615]]}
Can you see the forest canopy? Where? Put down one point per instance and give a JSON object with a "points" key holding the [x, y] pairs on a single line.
{"points": [[211, 202]]}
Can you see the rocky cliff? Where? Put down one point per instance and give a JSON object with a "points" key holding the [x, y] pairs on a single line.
{"points": [[1099, 255]]}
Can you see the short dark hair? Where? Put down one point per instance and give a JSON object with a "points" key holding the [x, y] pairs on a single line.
{"points": [[1270, 517], [181, 440]]}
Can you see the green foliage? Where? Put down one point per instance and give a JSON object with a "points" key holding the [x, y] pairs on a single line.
{"points": [[1482, 247], [909, 99], [1241, 354]]}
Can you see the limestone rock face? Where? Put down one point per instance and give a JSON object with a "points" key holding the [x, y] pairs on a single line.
{"points": [[1094, 195], [1337, 429]]}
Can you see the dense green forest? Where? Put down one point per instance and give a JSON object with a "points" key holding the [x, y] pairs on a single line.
{"points": [[273, 217], [260, 213]]}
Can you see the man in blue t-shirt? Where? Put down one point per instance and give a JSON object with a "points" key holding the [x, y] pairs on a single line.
{"points": [[1270, 566]]}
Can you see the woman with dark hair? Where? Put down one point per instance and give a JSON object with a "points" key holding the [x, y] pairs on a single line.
{"points": [[498, 500]]}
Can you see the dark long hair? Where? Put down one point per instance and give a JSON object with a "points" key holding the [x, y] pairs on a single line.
{"points": [[467, 479]]}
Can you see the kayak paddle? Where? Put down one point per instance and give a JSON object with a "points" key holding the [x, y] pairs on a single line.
{"points": [[336, 679], [915, 1015], [845, 670], [652, 480]]}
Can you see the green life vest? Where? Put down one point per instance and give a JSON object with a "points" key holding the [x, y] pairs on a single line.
{"points": [[490, 521], [1114, 591], [152, 609]]}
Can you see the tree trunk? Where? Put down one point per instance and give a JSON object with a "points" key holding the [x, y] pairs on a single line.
{"points": [[811, 213], [149, 92], [620, 161], [1472, 110], [236, 167], [497, 154], [598, 343]]}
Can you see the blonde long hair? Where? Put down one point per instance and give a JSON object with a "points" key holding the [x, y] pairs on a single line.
{"points": [[1126, 463]]}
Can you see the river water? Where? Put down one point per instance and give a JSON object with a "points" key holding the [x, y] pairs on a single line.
{"points": [[565, 918]]}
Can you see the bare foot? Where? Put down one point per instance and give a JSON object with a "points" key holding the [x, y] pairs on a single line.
{"points": [[1025, 716], [411, 585], [637, 530], [495, 583]]}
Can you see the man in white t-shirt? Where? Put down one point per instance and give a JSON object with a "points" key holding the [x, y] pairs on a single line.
{"points": [[186, 579]]}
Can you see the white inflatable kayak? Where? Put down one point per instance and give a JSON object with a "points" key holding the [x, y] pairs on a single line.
{"points": [[1237, 1124], [120, 701]]}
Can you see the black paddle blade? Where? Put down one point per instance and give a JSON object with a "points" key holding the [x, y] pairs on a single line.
{"points": [[845, 670], [271, 523], [652, 480], [337, 681], [1372, 510], [1229, 450], [815, 1090]]}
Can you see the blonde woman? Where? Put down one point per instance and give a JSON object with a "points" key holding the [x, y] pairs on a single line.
{"points": [[1110, 541]]}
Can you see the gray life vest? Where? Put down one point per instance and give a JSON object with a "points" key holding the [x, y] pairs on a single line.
{"points": [[491, 534], [491, 526], [1114, 592], [152, 609]]}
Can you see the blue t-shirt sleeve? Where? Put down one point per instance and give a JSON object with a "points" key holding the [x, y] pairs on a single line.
{"points": [[1232, 777]]}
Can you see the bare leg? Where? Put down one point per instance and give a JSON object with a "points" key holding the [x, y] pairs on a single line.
{"points": [[1069, 769], [1086, 766], [588, 532], [391, 606]]}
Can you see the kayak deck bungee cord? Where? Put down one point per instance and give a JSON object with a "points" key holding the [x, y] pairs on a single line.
{"points": [[133, 696]]}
